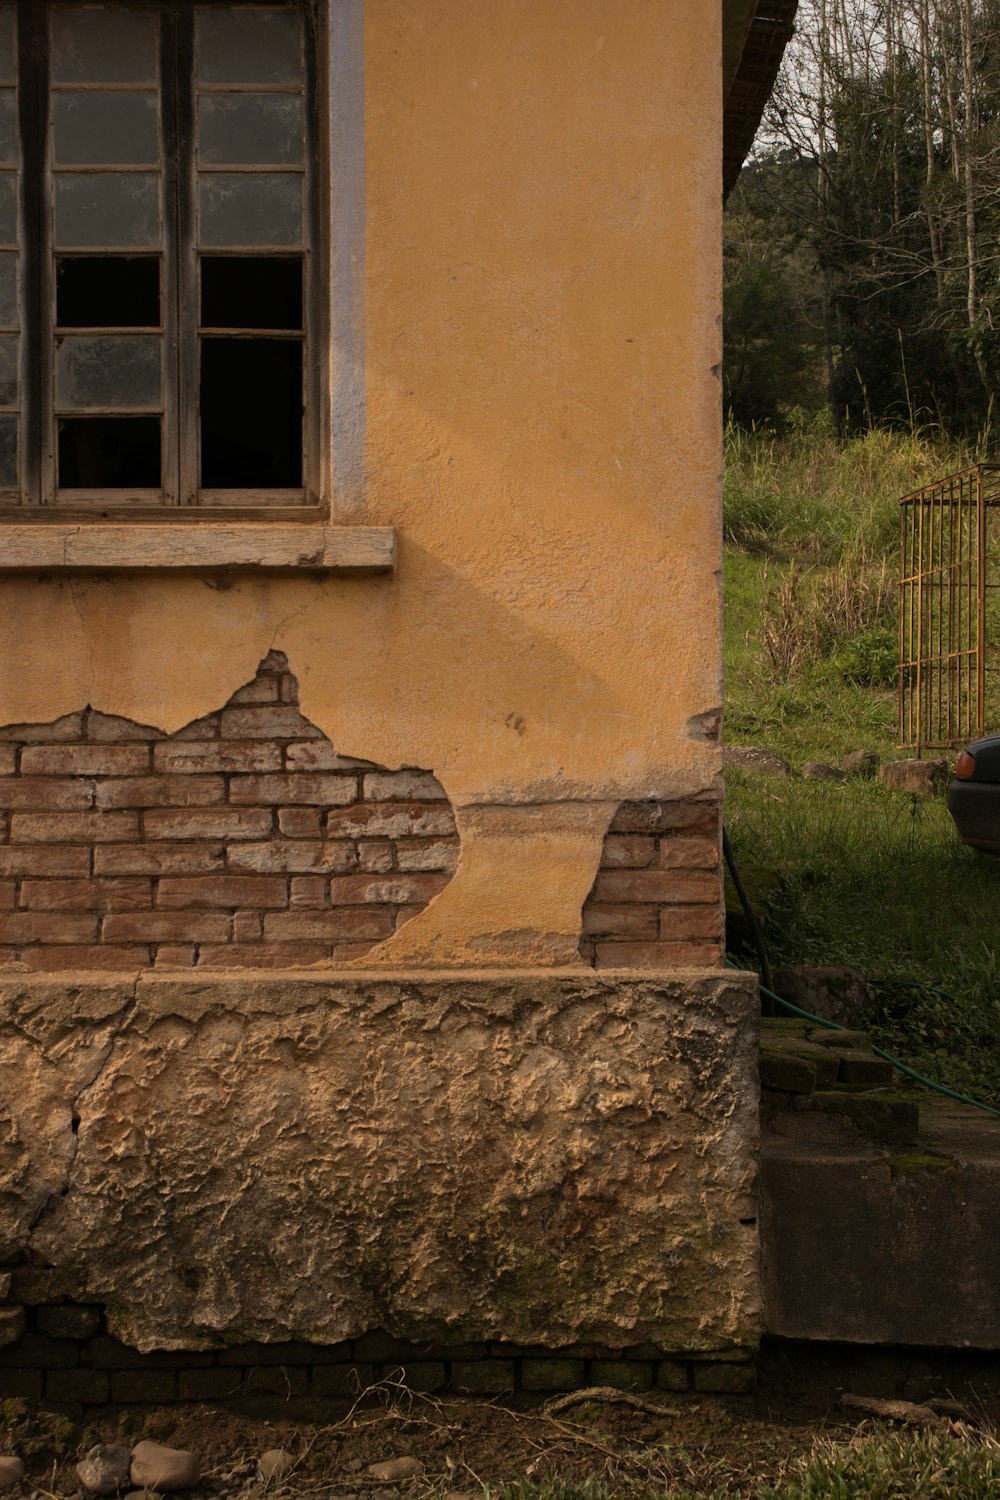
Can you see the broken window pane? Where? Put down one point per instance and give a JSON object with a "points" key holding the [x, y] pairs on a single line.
{"points": [[104, 44], [248, 46], [104, 208], [98, 128], [8, 42], [108, 291], [251, 208], [109, 453], [264, 129], [102, 372], [8, 290], [251, 413], [251, 291], [8, 369], [9, 477]]}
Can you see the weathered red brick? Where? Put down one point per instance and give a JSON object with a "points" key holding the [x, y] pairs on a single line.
{"points": [[611, 955], [689, 922], [106, 728], [265, 688], [266, 722], [228, 891], [689, 854], [8, 760], [69, 727], [656, 886], [318, 755], [96, 956], [199, 729], [262, 955], [665, 817], [632, 920], [343, 922], [207, 823], [158, 859], [375, 856], [385, 890], [293, 857], [321, 790], [86, 895], [307, 890], [47, 927], [174, 956], [248, 927], [8, 895], [165, 927], [68, 828], [36, 859], [44, 794], [189, 757], [403, 786], [345, 953], [391, 820], [427, 854], [623, 851], [84, 760], [161, 791]]}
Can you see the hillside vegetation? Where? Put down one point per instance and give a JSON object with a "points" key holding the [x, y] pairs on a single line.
{"points": [[847, 872]]}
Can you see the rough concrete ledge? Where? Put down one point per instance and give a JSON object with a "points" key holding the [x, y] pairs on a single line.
{"points": [[532, 1157]]}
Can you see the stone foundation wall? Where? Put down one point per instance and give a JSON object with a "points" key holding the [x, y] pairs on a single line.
{"points": [[529, 1157], [657, 901], [243, 839]]}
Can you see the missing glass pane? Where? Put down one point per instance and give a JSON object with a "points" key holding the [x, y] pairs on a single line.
{"points": [[251, 414], [251, 291], [108, 291], [109, 453]]}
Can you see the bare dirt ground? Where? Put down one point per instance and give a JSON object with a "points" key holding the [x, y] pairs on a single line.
{"points": [[666, 1441]]}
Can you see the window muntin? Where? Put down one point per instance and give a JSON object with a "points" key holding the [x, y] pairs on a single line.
{"points": [[178, 139]]}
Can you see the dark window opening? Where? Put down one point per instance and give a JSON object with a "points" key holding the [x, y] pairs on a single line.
{"points": [[251, 291], [109, 453], [108, 291], [251, 413]]}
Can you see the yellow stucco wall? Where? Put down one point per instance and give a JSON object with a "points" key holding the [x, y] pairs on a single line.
{"points": [[538, 340]]}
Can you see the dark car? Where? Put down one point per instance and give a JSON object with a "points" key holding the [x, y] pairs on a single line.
{"points": [[974, 794]]}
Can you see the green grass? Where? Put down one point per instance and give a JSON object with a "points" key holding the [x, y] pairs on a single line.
{"points": [[852, 873], [885, 1465]]}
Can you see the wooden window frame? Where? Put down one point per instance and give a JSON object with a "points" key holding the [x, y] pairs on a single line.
{"points": [[180, 500]]}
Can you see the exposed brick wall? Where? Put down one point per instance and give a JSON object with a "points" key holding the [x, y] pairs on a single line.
{"points": [[657, 898], [241, 840]]}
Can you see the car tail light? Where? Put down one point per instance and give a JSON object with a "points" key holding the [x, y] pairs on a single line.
{"points": [[966, 765]]}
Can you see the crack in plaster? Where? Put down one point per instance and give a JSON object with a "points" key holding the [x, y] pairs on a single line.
{"points": [[118, 1024]]}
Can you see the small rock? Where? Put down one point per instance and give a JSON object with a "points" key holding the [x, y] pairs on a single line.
{"points": [[155, 1466], [921, 778], [11, 1471], [104, 1469], [861, 763], [275, 1463], [754, 758], [395, 1469], [353, 1466], [818, 770], [142, 1495]]}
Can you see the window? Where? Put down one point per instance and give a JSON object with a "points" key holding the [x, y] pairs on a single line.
{"points": [[160, 230]]}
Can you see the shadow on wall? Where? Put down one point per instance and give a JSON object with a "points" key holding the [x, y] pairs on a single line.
{"points": [[241, 840]]}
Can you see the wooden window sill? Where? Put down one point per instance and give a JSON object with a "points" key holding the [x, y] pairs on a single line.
{"points": [[138, 547]]}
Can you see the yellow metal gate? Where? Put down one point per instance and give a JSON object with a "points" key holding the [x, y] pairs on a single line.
{"points": [[949, 610]]}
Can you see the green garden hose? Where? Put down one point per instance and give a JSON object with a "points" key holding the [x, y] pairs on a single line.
{"points": [[796, 1010]]}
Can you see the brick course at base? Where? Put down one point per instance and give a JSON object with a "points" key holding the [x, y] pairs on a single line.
{"points": [[241, 840], [657, 899], [67, 1359]]}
